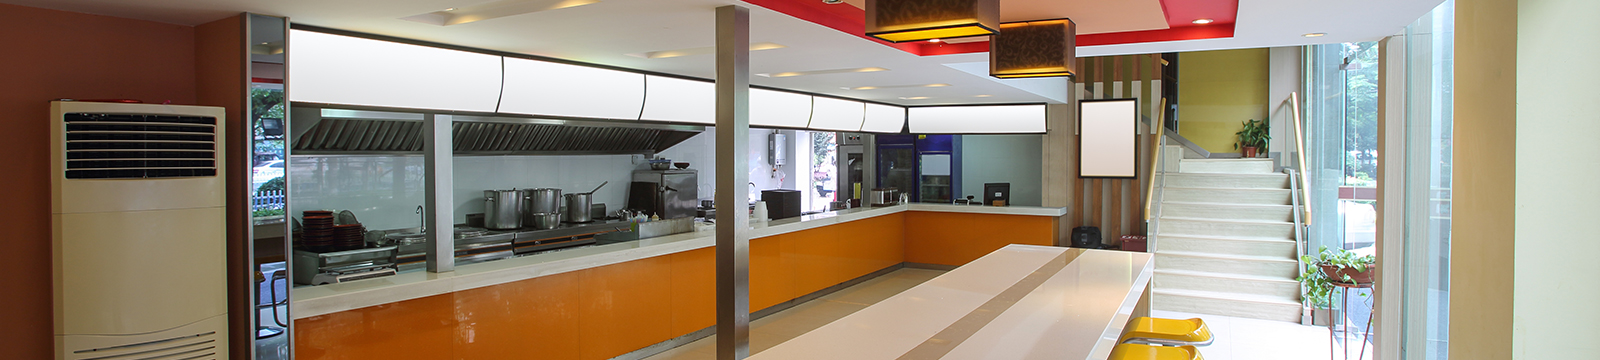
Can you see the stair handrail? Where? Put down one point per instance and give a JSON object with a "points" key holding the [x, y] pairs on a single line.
{"points": [[1300, 154], [1160, 124]]}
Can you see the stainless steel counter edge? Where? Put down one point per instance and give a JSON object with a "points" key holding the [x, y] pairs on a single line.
{"points": [[327, 299]]}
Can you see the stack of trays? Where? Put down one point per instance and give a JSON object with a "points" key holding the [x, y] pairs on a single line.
{"points": [[349, 237]]}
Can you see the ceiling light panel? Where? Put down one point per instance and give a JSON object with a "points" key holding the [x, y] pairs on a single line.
{"points": [[492, 10], [337, 69], [836, 115], [545, 88], [779, 109], [884, 119], [1004, 119], [822, 72], [679, 100], [917, 20], [896, 87]]}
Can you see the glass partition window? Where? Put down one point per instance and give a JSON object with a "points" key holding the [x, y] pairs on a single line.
{"points": [[266, 176], [1430, 55]]}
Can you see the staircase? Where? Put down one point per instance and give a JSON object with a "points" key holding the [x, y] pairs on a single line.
{"points": [[1226, 241]]}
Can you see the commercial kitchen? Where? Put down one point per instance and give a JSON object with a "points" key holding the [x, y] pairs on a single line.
{"points": [[449, 189]]}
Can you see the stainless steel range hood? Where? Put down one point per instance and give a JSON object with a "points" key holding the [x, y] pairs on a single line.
{"points": [[323, 131]]}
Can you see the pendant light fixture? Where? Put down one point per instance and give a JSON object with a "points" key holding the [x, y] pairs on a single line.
{"points": [[1039, 48], [919, 20]]}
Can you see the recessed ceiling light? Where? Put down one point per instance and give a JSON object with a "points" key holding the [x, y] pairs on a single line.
{"points": [[913, 97], [1202, 21], [933, 40], [982, 95], [821, 72], [663, 54], [895, 86], [1314, 34], [492, 10]]}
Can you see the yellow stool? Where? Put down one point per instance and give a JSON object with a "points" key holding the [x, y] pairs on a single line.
{"points": [[1173, 332], [1152, 352]]}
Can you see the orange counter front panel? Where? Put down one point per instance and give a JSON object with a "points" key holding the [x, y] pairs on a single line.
{"points": [[947, 238]]}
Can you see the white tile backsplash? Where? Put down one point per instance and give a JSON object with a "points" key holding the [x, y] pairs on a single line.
{"points": [[384, 191]]}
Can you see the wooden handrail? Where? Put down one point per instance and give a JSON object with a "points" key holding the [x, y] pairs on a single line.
{"points": [[1300, 145], [1155, 158]]}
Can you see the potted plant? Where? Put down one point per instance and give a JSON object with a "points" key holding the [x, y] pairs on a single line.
{"points": [[1328, 267], [1253, 138]]}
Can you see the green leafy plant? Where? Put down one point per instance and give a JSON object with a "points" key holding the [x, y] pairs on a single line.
{"points": [[268, 212], [1254, 134], [1315, 286]]}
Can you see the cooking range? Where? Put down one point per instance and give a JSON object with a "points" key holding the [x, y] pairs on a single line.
{"points": [[405, 249]]}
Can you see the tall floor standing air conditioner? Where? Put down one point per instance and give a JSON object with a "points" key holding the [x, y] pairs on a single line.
{"points": [[139, 231]]}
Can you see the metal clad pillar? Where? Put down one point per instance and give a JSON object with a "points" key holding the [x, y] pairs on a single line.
{"points": [[439, 213], [733, 145]]}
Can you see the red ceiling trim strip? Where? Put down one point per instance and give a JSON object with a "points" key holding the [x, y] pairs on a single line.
{"points": [[1179, 14]]}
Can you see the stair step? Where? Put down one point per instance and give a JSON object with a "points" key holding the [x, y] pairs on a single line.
{"points": [[1229, 264], [1168, 225], [1226, 166], [1200, 210], [1226, 304], [1238, 181], [1277, 248], [1226, 196], [1227, 283]]}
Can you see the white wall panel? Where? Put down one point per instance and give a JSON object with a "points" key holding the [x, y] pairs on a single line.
{"points": [[337, 69], [837, 115], [679, 100], [884, 119], [546, 88], [1003, 119], [779, 109]]}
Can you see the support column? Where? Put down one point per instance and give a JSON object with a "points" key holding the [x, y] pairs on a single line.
{"points": [[439, 212], [733, 145]]}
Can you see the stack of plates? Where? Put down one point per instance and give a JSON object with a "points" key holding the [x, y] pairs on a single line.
{"points": [[321, 234]]}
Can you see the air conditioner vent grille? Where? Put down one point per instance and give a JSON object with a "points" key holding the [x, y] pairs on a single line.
{"points": [[197, 346], [134, 146]]}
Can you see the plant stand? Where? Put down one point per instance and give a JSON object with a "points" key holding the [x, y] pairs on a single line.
{"points": [[1344, 308]]}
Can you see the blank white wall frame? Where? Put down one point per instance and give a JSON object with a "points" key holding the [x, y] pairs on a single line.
{"points": [[1108, 129], [992, 119], [535, 87], [837, 115], [337, 69], [884, 119], [779, 109]]}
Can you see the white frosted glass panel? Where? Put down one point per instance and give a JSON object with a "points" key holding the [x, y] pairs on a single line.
{"points": [[977, 119], [884, 119], [1108, 129], [779, 109], [338, 69], [936, 164], [545, 88], [673, 99], [836, 115]]}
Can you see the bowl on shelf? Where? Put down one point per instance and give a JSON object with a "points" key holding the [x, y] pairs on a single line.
{"points": [[681, 165]]}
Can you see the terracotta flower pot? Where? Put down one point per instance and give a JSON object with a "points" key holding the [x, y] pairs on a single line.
{"points": [[1248, 151], [1336, 274]]}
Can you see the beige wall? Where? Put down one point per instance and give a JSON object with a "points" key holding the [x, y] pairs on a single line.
{"points": [[1218, 91], [1557, 302]]}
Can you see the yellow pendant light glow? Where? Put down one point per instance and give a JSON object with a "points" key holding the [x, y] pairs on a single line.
{"points": [[919, 20], [1027, 49]]}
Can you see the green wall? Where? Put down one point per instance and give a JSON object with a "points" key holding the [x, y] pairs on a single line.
{"points": [[1011, 159], [1217, 92]]}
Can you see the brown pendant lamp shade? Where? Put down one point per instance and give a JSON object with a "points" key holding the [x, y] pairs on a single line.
{"points": [[1040, 48], [917, 20]]}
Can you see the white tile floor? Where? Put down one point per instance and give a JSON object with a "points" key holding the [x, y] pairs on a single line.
{"points": [[1237, 338]]}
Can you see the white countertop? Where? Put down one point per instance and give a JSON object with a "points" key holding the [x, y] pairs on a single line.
{"points": [[308, 301], [1075, 311]]}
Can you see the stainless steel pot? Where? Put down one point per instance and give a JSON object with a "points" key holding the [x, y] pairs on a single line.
{"points": [[502, 209], [545, 200], [578, 205], [545, 221]]}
